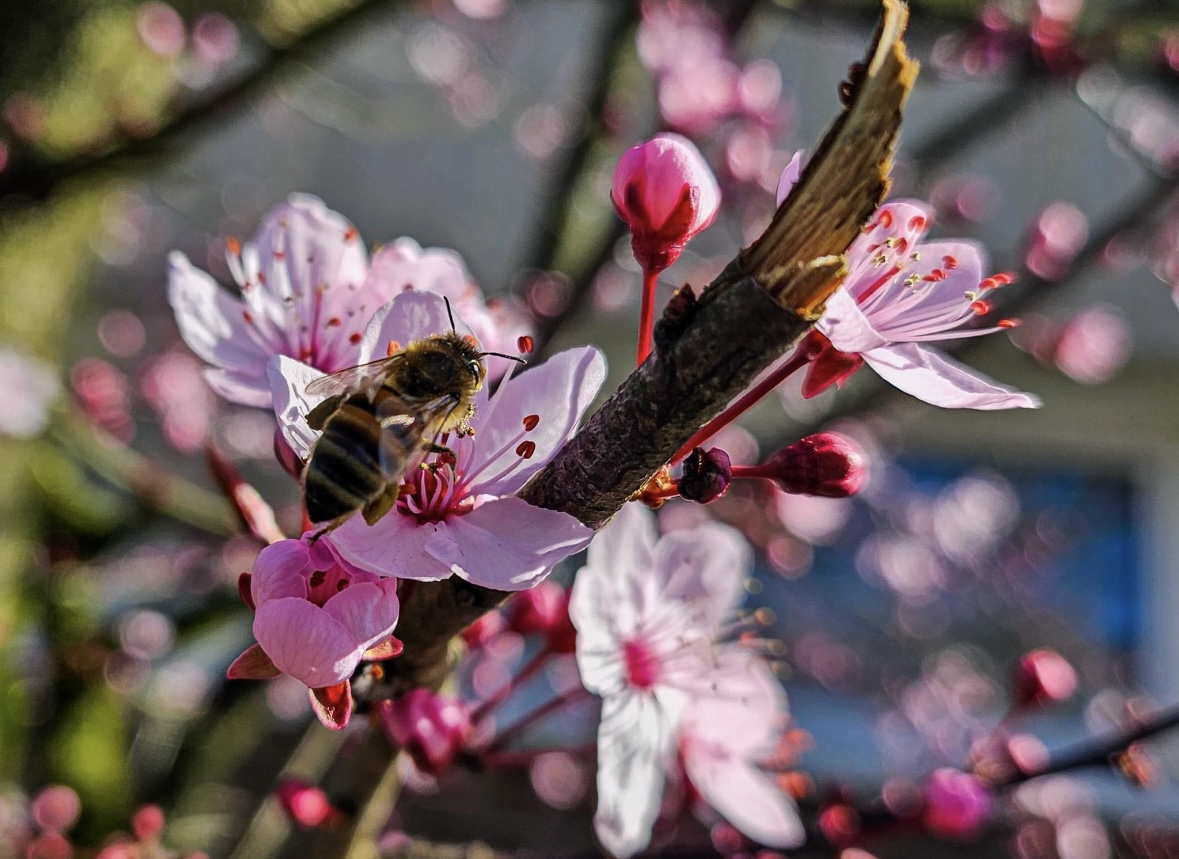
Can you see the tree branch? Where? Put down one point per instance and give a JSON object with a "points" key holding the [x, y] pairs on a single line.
{"points": [[707, 351]]}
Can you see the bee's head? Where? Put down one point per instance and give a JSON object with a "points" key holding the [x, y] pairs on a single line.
{"points": [[448, 364]]}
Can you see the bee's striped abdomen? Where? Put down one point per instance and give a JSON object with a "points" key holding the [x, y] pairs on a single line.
{"points": [[344, 470]]}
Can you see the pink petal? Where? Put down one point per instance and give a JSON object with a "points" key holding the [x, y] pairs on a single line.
{"points": [[558, 391], [333, 705], [279, 571], [507, 544], [408, 317], [288, 384], [395, 546], [930, 376], [634, 745], [789, 178], [253, 664], [846, 326], [748, 798], [211, 321], [403, 265], [706, 566], [737, 706], [239, 387], [306, 642], [368, 610]]}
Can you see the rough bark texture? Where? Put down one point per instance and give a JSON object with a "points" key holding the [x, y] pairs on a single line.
{"points": [[707, 350]]}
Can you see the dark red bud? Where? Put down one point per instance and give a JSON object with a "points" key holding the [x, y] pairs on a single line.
{"points": [[1043, 677], [825, 464], [706, 476]]}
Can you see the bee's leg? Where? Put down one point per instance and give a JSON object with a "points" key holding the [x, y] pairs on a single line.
{"points": [[318, 416], [381, 505]]}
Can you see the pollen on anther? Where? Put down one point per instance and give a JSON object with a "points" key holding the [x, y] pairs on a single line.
{"points": [[936, 275], [355, 338], [393, 348], [970, 295], [912, 279], [1008, 323], [917, 222], [350, 234], [879, 259], [525, 449], [885, 219], [530, 422], [981, 307], [950, 262], [764, 617], [233, 246], [524, 344]]}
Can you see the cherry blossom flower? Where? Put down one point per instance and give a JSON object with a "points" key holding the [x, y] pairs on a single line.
{"points": [[307, 292], [900, 294], [462, 517], [402, 265], [648, 614], [315, 619], [303, 294]]}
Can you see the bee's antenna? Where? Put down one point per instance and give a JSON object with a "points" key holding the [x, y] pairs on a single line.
{"points": [[516, 358], [450, 313]]}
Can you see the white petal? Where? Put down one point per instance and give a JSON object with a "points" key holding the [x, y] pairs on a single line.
{"points": [[634, 745], [930, 376], [749, 798], [288, 385], [846, 326]]}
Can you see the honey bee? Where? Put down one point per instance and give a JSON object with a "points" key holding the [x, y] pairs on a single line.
{"points": [[379, 417]]}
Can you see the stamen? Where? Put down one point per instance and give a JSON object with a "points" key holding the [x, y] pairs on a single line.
{"points": [[1008, 323], [950, 262], [350, 234], [918, 222], [531, 421], [525, 449], [524, 344], [392, 348], [233, 246], [355, 339], [981, 307]]}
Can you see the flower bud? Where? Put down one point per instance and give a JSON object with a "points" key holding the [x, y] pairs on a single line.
{"points": [[536, 609], [957, 804], [431, 728], [1043, 677], [306, 804], [484, 630], [666, 193], [706, 476], [825, 464], [148, 822]]}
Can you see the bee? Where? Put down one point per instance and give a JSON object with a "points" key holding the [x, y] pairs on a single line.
{"points": [[378, 418]]}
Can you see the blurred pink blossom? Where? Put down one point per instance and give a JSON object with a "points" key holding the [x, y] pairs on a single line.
{"points": [[161, 28], [430, 727], [1057, 235], [463, 517], [648, 612], [957, 804]]}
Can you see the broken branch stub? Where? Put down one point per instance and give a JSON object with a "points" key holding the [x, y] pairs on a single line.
{"points": [[707, 350]]}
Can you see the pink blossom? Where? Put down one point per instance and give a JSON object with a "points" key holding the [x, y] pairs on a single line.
{"points": [[315, 615], [403, 265], [900, 294], [308, 292], [463, 517], [666, 193], [303, 295], [647, 614], [430, 727]]}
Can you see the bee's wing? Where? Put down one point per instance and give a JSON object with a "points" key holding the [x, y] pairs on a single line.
{"points": [[364, 378], [407, 426]]}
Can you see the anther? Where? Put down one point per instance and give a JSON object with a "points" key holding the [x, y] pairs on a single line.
{"points": [[917, 222], [981, 307], [354, 339], [393, 348], [524, 344], [233, 246], [950, 262], [350, 234], [334, 322], [1008, 323], [530, 422], [318, 578], [525, 449]]}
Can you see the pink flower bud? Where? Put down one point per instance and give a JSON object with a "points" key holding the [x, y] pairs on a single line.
{"points": [[1043, 677], [957, 804], [484, 629], [536, 609], [56, 808], [706, 476], [306, 804], [666, 193], [431, 728], [825, 464], [148, 822]]}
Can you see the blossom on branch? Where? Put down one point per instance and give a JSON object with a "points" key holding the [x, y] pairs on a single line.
{"points": [[460, 515], [307, 291], [899, 295], [649, 615], [315, 618]]}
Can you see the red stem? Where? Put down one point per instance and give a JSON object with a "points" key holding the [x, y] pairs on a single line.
{"points": [[500, 695], [743, 403], [552, 705], [647, 313]]}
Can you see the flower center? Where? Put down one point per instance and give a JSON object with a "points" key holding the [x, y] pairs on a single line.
{"points": [[434, 492], [642, 664]]}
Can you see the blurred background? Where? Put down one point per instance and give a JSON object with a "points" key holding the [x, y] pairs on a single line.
{"points": [[1047, 130]]}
